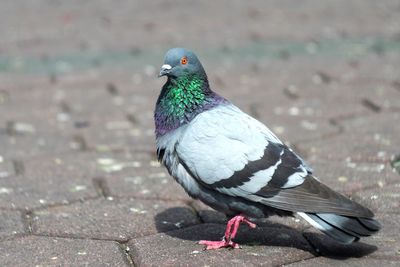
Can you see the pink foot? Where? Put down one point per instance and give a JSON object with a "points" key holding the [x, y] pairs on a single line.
{"points": [[229, 234], [218, 244]]}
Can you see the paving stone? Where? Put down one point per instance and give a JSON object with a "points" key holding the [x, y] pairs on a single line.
{"points": [[385, 198], [127, 174], [294, 89], [86, 100], [138, 175], [115, 219], [369, 138], [44, 181], [62, 178], [348, 177], [28, 192], [133, 138], [348, 87], [384, 245], [31, 120], [261, 246], [11, 223], [294, 129], [104, 125], [351, 86], [148, 181], [14, 147], [35, 100], [64, 114], [49, 251]]}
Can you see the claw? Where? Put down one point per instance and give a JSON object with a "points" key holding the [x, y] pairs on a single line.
{"points": [[230, 233], [218, 244]]}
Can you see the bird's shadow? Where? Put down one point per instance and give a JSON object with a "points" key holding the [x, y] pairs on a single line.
{"points": [[266, 234]]}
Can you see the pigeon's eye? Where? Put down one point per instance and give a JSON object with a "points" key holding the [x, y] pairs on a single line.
{"points": [[184, 60]]}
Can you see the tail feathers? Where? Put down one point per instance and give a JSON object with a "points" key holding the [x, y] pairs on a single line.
{"points": [[371, 224], [344, 229]]}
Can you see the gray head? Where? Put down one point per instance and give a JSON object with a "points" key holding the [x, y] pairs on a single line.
{"points": [[180, 61]]}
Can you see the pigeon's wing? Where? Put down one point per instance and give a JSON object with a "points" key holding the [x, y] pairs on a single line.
{"points": [[310, 196], [228, 151], [231, 152]]}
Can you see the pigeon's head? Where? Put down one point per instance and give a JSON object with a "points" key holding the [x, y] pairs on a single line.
{"points": [[179, 62]]}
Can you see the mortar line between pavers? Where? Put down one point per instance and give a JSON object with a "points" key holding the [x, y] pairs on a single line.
{"points": [[21, 235], [77, 237], [125, 250], [101, 186], [27, 221], [62, 204]]}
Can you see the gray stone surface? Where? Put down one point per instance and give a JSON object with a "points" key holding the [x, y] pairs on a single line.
{"points": [[45, 180], [11, 224], [367, 139], [113, 219], [51, 251], [349, 177], [125, 173], [39, 144], [382, 199], [27, 192]]}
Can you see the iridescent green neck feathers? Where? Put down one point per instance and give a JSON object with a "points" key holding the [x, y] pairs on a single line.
{"points": [[181, 99], [183, 95]]}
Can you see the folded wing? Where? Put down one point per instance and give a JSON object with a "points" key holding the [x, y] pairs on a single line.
{"points": [[228, 151]]}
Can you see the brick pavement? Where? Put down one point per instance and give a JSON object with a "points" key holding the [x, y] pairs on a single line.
{"points": [[79, 182]]}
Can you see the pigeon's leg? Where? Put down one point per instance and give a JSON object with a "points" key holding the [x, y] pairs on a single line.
{"points": [[229, 234], [237, 220]]}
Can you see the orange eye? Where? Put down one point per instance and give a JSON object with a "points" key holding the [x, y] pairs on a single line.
{"points": [[184, 61]]}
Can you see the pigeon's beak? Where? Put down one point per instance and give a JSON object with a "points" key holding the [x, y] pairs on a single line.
{"points": [[164, 70]]}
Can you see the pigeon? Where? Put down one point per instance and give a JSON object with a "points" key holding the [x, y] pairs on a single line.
{"points": [[236, 165]]}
